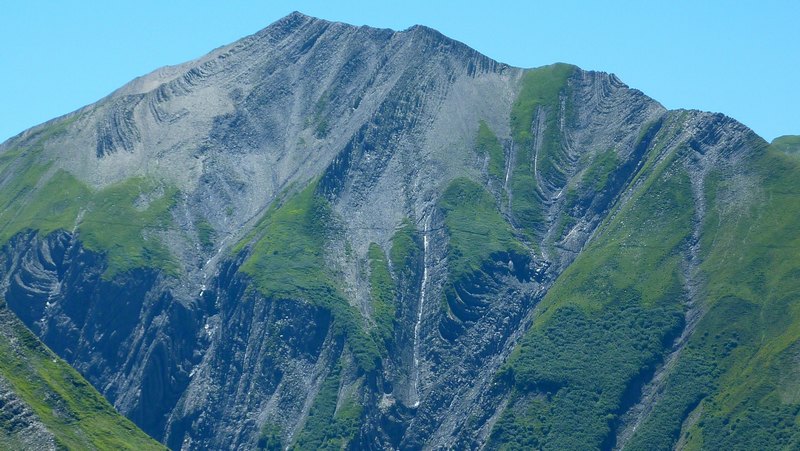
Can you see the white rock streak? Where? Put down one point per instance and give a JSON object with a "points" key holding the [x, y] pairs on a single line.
{"points": [[419, 310], [508, 167]]}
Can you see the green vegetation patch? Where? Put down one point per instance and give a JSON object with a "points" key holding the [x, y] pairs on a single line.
{"points": [[739, 371], [383, 292], [121, 221], [23, 202], [476, 228], [71, 409], [287, 262], [595, 181], [110, 221], [480, 247], [270, 438], [751, 332], [407, 262], [328, 427], [205, 233], [26, 205], [387, 285], [540, 89], [116, 223], [580, 365], [734, 385], [406, 252], [287, 258], [486, 143], [598, 174], [787, 144]]}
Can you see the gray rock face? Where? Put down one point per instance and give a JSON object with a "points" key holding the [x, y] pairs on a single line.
{"points": [[385, 120], [24, 430], [100, 327]]}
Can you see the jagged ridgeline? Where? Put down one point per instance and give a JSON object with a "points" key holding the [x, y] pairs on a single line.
{"points": [[325, 236]]}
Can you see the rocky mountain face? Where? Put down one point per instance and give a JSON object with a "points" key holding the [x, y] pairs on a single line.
{"points": [[334, 236]]}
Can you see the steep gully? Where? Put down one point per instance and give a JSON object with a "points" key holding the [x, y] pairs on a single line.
{"points": [[420, 309]]}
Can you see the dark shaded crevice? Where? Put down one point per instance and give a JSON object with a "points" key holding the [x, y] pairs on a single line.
{"points": [[312, 40], [625, 173], [468, 297]]}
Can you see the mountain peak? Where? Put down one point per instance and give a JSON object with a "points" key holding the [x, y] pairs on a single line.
{"points": [[295, 19]]}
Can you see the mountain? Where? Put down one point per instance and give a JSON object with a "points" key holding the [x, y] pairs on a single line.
{"points": [[328, 236]]}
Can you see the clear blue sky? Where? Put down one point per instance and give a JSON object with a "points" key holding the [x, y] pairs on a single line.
{"points": [[741, 58]]}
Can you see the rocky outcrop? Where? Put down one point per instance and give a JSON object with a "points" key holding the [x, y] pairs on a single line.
{"points": [[22, 429]]}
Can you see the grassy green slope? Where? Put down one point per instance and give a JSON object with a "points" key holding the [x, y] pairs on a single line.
{"points": [[335, 418], [479, 236], [740, 374], [539, 92], [787, 144], [406, 252], [603, 326], [487, 144], [120, 220], [286, 262], [612, 316], [74, 412], [475, 226], [383, 292], [332, 423]]}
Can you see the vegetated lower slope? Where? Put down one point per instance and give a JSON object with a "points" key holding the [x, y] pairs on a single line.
{"points": [[737, 386], [46, 404], [325, 236], [698, 263], [603, 324]]}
